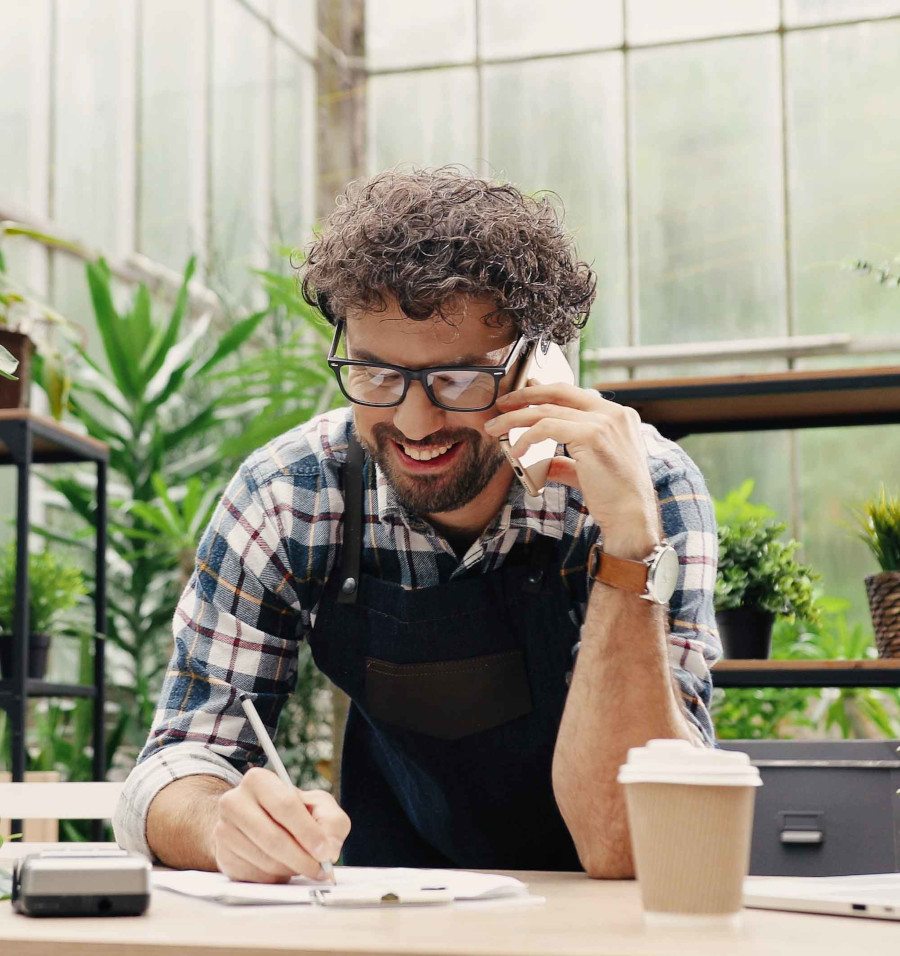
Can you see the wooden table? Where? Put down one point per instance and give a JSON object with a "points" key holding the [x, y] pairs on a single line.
{"points": [[581, 916]]}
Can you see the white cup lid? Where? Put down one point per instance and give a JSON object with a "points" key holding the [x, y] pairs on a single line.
{"points": [[677, 761]]}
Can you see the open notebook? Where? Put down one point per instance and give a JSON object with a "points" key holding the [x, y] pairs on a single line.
{"points": [[460, 885]]}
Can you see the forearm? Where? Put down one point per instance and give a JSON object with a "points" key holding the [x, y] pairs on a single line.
{"points": [[181, 819], [622, 695]]}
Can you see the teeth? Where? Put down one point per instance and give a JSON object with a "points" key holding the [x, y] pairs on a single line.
{"points": [[425, 454]]}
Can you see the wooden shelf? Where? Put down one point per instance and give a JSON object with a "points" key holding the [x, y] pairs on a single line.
{"points": [[775, 673], [795, 399], [52, 442]]}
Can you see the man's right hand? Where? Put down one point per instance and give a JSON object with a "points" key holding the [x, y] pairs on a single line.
{"points": [[267, 831]]}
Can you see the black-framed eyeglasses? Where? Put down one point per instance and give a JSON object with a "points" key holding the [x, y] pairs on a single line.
{"points": [[455, 388]]}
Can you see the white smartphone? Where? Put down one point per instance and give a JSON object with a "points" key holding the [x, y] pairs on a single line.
{"points": [[546, 368]]}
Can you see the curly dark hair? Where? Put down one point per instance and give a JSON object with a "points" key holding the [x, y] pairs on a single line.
{"points": [[429, 236]]}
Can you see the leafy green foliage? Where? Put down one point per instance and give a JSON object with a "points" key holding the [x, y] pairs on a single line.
{"points": [[54, 587], [756, 568], [289, 376], [783, 713], [51, 332], [151, 401], [879, 522], [4, 895], [180, 402]]}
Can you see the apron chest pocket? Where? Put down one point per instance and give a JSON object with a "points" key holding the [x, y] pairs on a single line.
{"points": [[449, 699]]}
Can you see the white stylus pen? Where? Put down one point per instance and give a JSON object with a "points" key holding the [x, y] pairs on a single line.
{"points": [[274, 760]]}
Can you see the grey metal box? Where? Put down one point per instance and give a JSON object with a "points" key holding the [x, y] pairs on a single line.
{"points": [[826, 808]]}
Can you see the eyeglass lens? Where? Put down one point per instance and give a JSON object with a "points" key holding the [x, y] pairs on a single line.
{"points": [[461, 389]]}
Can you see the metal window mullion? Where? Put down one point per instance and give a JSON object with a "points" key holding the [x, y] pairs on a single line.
{"points": [[125, 109], [138, 131], [40, 138], [631, 251], [276, 31], [204, 184], [265, 198], [52, 51], [482, 163], [795, 500], [625, 47]]}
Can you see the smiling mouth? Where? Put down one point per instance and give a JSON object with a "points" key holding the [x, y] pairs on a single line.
{"points": [[424, 455]]}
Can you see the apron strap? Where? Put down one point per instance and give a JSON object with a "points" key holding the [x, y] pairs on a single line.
{"points": [[353, 514]]}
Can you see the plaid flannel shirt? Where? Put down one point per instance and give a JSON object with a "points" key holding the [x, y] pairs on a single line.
{"points": [[269, 549]]}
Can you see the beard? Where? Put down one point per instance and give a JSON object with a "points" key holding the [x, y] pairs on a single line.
{"points": [[478, 461]]}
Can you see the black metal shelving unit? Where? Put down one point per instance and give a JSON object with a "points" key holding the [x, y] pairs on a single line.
{"points": [[27, 439], [775, 673], [772, 400]]}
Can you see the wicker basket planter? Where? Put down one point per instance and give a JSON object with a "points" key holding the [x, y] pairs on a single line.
{"points": [[884, 603]]}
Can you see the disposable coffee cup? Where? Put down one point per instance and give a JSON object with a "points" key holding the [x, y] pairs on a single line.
{"points": [[690, 812]]}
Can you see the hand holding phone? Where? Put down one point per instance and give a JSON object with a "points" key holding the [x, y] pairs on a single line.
{"points": [[545, 368]]}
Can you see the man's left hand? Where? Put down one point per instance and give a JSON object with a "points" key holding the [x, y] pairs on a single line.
{"points": [[607, 459]]}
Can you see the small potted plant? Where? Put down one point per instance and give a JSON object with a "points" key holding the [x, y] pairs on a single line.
{"points": [[29, 339], [879, 522], [8, 364], [759, 577], [5, 879], [54, 588]]}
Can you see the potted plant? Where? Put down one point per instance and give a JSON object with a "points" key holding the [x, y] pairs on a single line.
{"points": [[54, 588], [879, 521], [8, 364], [29, 334], [759, 577]]}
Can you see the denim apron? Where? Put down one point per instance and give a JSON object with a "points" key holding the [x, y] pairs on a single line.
{"points": [[456, 697]]}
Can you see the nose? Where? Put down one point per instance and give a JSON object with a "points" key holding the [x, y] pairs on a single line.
{"points": [[417, 416]]}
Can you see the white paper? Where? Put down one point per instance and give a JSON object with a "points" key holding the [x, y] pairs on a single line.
{"points": [[462, 884]]}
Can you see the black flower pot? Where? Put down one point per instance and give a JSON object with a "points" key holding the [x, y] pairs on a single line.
{"points": [[38, 647], [746, 632]]}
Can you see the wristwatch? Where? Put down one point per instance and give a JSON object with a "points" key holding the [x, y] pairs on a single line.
{"points": [[653, 579]]}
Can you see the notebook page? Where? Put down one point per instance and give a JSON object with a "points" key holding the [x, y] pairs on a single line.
{"points": [[463, 885]]}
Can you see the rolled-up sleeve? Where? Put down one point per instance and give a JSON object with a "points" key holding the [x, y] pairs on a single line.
{"points": [[235, 630], [689, 524]]}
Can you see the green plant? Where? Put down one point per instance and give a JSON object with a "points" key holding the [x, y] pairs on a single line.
{"points": [[176, 518], [777, 713], [288, 377], [885, 273], [879, 521], [756, 569], [5, 884], [52, 333], [151, 400], [54, 587], [178, 408]]}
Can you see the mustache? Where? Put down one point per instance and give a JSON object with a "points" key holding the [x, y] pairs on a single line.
{"points": [[382, 432]]}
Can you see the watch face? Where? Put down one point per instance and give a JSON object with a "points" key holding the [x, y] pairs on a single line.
{"points": [[664, 575]]}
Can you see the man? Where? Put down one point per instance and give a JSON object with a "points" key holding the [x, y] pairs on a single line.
{"points": [[393, 536]]}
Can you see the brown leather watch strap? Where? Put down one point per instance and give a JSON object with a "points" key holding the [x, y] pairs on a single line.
{"points": [[618, 572]]}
